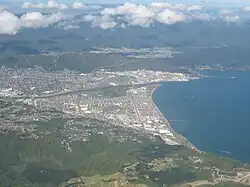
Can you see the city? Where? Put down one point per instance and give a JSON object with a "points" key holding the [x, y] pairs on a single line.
{"points": [[118, 98]]}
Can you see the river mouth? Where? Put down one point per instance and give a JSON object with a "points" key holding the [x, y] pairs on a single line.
{"points": [[212, 113]]}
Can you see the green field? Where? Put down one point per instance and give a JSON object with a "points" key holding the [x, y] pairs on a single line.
{"points": [[46, 161]]}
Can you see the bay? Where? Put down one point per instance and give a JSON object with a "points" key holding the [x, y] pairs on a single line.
{"points": [[213, 113]]}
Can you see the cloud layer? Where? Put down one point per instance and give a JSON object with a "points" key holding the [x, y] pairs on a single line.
{"points": [[121, 16], [131, 14], [78, 5], [53, 4], [146, 15], [11, 24]]}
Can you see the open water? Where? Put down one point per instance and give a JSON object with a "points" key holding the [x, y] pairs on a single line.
{"points": [[213, 113]]}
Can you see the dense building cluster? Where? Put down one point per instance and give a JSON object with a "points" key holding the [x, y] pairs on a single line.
{"points": [[118, 98]]}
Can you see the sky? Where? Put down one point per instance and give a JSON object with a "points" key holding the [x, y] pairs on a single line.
{"points": [[229, 2], [143, 13]]}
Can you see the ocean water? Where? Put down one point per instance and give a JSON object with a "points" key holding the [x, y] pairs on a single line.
{"points": [[213, 113]]}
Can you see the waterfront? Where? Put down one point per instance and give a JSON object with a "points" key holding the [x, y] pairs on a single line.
{"points": [[212, 113]]}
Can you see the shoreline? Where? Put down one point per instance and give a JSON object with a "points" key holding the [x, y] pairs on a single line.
{"points": [[180, 138]]}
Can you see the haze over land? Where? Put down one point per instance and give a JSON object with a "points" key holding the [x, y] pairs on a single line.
{"points": [[76, 84]]}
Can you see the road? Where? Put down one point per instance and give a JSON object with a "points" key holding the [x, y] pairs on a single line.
{"points": [[82, 90]]}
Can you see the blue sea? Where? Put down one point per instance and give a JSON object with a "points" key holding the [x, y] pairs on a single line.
{"points": [[213, 113]]}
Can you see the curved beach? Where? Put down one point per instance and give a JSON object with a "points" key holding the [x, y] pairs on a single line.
{"points": [[180, 139]]}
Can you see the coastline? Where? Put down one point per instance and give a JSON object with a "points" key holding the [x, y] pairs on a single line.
{"points": [[180, 138]]}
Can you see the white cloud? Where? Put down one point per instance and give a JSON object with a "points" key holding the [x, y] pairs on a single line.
{"points": [[130, 14], [104, 22], [108, 25], [247, 8], [140, 15], [202, 17], [194, 8], [169, 6], [11, 24], [232, 15], [89, 18], [146, 15], [226, 11], [95, 6], [231, 18], [70, 27], [78, 5], [36, 5], [38, 20], [54, 4], [51, 4], [169, 17], [123, 26], [161, 5]]}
